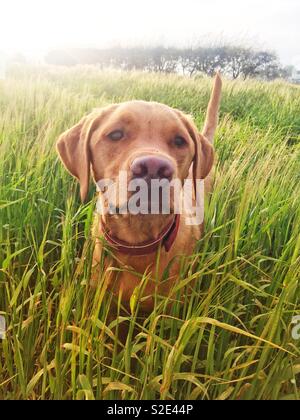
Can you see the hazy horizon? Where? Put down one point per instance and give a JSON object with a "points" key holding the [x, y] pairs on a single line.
{"points": [[33, 27]]}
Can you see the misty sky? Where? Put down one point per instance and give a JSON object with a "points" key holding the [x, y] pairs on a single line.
{"points": [[33, 26]]}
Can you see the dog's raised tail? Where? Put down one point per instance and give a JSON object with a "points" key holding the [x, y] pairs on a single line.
{"points": [[212, 113]]}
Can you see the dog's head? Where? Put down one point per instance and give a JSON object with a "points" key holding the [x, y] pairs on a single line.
{"points": [[147, 140]]}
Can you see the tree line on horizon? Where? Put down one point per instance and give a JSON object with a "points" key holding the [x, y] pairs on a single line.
{"points": [[233, 61]]}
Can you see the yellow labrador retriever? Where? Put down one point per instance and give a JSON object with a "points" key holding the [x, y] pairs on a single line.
{"points": [[146, 141]]}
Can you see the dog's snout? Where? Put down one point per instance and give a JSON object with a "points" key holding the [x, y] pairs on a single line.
{"points": [[152, 167]]}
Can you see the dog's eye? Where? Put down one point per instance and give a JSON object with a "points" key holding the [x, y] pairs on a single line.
{"points": [[116, 135], [179, 141]]}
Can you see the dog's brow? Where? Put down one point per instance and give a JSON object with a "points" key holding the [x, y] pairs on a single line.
{"points": [[126, 117], [177, 127]]}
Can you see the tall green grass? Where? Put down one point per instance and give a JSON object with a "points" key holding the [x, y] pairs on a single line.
{"points": [[232, 337]]}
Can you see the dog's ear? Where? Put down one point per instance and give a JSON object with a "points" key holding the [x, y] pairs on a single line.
{"points": [[203, 158], [212, 113], [73, 147]]}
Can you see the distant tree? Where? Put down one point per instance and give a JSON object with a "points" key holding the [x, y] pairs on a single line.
{"points": [[261, 63], [185, 61], [163, 60], [207, 60], [136, 59], [233, 61], [286, 72]]}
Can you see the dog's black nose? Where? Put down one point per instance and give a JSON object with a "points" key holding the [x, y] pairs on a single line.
{"points": [[152, 167]]}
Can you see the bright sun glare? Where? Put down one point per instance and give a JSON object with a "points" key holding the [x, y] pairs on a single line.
{"points": [[34, 26]]}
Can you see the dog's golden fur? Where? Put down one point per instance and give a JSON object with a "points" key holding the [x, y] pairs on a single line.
{"points": [[149, 128]]}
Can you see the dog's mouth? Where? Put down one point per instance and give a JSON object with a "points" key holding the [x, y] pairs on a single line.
{"points": [[162, 205], [158, 202], [153, 196]]}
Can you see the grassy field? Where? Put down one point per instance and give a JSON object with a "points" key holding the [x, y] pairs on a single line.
{"points": [[233, 338]]}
